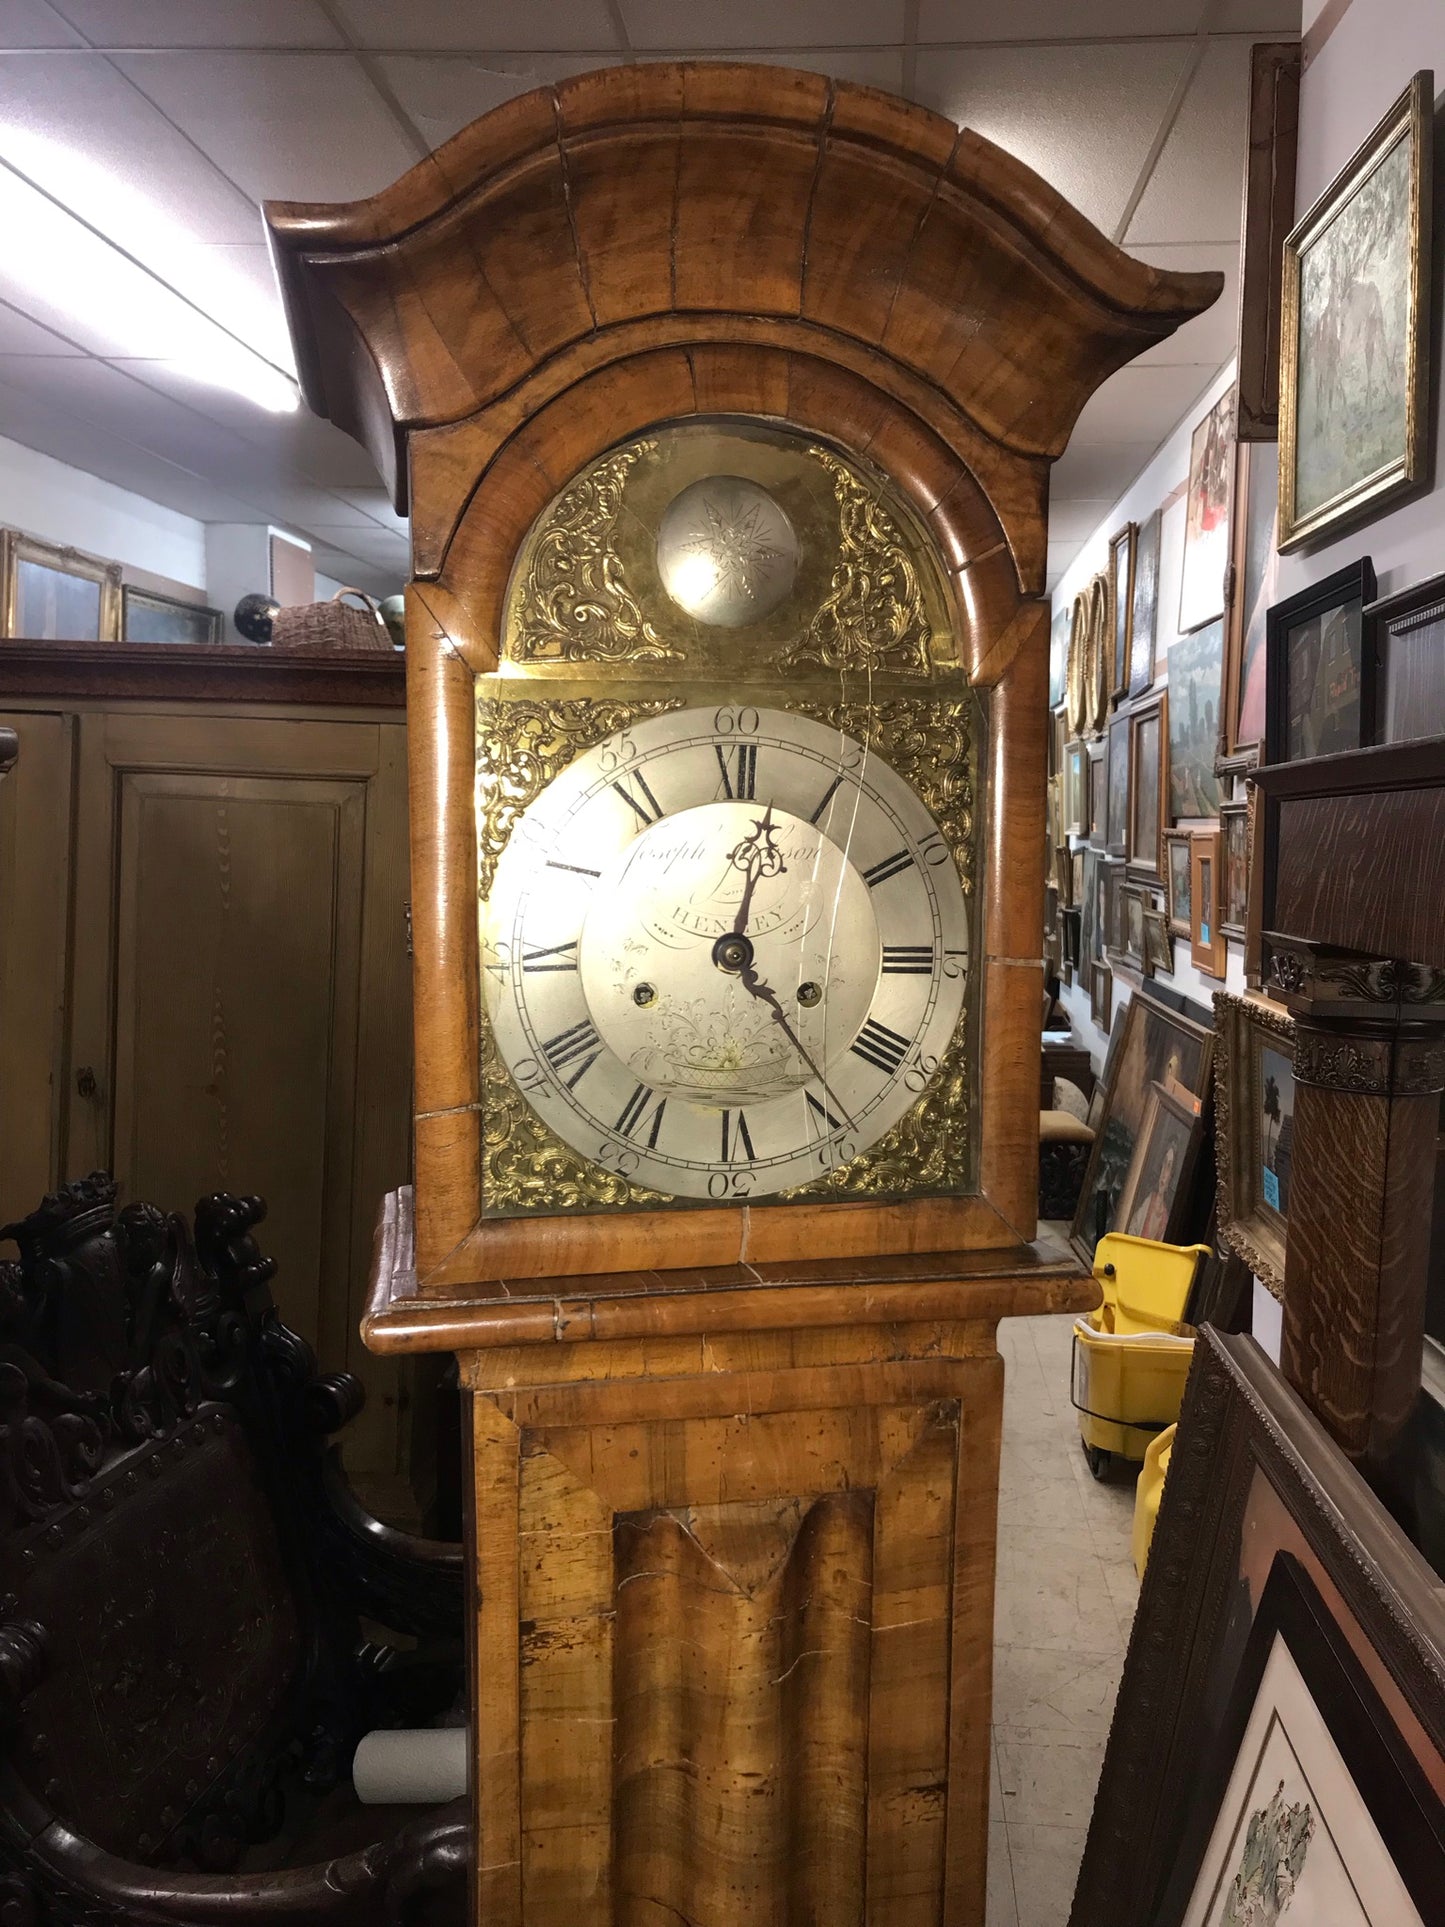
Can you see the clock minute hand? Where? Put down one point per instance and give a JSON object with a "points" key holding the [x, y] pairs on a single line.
{"points": [[758, 856], [765, 994]]}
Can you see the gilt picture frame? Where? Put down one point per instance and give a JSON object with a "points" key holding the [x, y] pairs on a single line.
{"points": [[1234, 871], [166, 621], [1148, 803], [1355, 363], [50, 593], [1121, 605], [1208, 949], [1098, 793], [1144, 618], [1206, 517], [1076, 789], [1254, 1095], [1266, 1535], [1177, 881], [1253, 582]]}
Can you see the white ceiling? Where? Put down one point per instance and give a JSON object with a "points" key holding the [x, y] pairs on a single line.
{"points": [[1134, 109]]}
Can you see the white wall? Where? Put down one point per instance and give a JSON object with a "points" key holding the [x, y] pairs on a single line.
{"points": [[58, 503], [1165, 476], [1349, 82]]}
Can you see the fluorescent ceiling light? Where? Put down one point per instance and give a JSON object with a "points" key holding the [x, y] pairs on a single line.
{"points": [[58, 213]]}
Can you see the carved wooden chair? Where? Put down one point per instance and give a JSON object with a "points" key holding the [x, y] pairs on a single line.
{"points": [[184, 1574]]}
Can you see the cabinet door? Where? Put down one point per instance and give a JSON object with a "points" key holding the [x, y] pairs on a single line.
{"points": [[242, 998], [35, 800]]}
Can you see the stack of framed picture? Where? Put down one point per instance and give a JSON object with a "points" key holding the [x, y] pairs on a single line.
{"points": [[1278, 1745], [49, 593]]}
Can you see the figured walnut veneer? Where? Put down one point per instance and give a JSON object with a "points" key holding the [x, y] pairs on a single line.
{"points": [[655, 242]]}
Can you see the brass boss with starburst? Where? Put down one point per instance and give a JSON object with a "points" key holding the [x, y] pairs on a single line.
{"points": [[726, 780]]}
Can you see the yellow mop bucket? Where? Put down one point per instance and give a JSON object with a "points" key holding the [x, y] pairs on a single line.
{"points": [[1131, 1356]]}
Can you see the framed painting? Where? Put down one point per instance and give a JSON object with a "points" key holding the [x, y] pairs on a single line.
{"points": [[1156, 1195], [1090, 936], [1131, 924], [1276, 1748], [1177, 881], [1234, 874], [1207, 948], [1101, 653], [1116, 804], [1058, 656], [1156, 1046], [1078, 707], [1111, 911], [1098, 794], [1405, 642], [1320, 678], [147, 617], [1101, 996], [1158, 943], [1076, 794], [1269, 187], [1058, 737], [1196, 670], [1148, 787], [54, 594], [1355, 369], [1253, 582], [1254, 1130], [1144, 617], [1206, 518], [1121, 606]]}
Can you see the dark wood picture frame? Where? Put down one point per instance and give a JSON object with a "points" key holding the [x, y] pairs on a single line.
{"points": [[206, 626], [1255, 1489], [1158, 942], [1405, 643], [1342, 596], [1132, 900], [1234, 875], [1208, 950], [1098, 793], [1146, 839], [1251, 1223], [1254, 569], [1117, 789], [1101, 996], [1121, 606], [1269, 191]]}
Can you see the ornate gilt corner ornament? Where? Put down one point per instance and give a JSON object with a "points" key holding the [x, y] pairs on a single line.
{"points": [[873, 617], [575, 605]]}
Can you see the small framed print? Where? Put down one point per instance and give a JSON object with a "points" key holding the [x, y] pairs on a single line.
{"points": [[1254, 1133], [1158, 944], [1101, 996], [1355, 332], [1206, 518], [1405, 641], [1131, 911], [1144, 619], [1148, 787], [1116, 807], [148, 617], [1098, 794], [53, 594], [1234, 856], [1320, 679], [1207, 946], [1076, 793], [1178, 881], [1121, 606]]}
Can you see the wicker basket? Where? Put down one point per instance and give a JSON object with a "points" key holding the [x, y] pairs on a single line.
{"points": [[331, 625]]}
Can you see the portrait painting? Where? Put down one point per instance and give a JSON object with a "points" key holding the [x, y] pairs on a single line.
{"points": [[1176, 851], [1145, 617], [1256, 573], [1196, 667], [1354, 330], [1206, 517], [1153, 1190], [1116, 814]]}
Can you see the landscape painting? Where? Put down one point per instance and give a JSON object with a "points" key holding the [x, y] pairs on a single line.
{"points": [[1196, 668]]}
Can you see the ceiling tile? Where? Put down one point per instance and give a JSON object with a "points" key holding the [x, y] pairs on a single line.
{"points": [[81, 106], [19, 335], [354, 573], [1256, 18], [763, 23], [295, 127], [1139, 404], [1075, 518], [376, 503], [1210, 338], [1197, 188], [1096, 469], [235, 282], [218, 23], [31, 23], [975, 20], [865, 66], [559, 26], [1083, 117], [442, 93]]}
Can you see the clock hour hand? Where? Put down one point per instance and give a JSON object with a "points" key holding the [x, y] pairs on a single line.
{"points": [[765, 994]]}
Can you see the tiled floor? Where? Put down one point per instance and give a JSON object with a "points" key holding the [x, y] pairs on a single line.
{"points": [[1065, 1600]]}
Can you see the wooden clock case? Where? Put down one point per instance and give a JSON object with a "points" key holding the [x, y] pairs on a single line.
{"points": [[732, 1473]]}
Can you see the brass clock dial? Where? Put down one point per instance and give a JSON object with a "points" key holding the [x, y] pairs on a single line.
{"points": [[724, 951]]}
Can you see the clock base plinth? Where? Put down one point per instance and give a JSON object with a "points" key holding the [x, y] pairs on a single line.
{"points": [[734, 1538]]}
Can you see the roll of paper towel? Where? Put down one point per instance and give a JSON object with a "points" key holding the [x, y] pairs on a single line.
{"points": [[423, 1763]]}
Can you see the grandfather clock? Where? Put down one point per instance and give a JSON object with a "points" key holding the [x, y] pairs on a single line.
{"points": [[722, 399]]}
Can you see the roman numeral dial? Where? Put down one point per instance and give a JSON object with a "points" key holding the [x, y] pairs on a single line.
{"points": [[723, 952]]}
